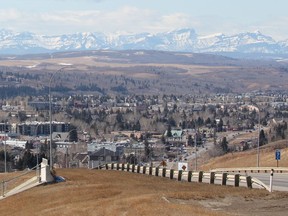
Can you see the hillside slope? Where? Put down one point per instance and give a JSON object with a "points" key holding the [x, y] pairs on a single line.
{"points": [[249, 158], [142, 72], [100, 192]]}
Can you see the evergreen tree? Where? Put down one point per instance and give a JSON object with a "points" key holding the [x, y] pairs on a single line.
{"points": [[73, 136], [2, 156], [224, 145], [169, 133], [148, 148], [262, 138], [220, 125], [137, 126], [208, 121], [190, 140]]}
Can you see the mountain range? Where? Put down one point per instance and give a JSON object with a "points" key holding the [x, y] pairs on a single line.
{"points": [[183, 40]]}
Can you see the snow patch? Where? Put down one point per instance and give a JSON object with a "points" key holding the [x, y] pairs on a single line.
{"points": [[65, 64], [31, 66]]}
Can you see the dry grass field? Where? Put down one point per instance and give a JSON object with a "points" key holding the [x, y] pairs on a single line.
{"points": [[101, 192], [249, 158]]}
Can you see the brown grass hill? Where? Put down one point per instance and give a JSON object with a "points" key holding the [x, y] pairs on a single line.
{"points": [[249, 158], [106, 192]]}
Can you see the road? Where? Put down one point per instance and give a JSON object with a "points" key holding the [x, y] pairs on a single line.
{"points": [[280, 180], [210, 144]]}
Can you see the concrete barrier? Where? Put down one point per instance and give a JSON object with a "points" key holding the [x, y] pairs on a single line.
{"points": [[46, 175]]}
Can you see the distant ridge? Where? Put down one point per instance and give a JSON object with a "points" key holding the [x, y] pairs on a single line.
{"points": [[251, 44]]}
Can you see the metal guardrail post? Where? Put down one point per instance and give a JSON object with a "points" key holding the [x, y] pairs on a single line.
{"points": [[128, 167], [200, 177], [164, 172], [237, 180], [157, 171], [133, 168], [189, 176], [138, 169], [171, 173], [249, 181], [224, 178], [112, 166], [118, 166], [180, 175], [212, 177], [144, 170], [150, 170]]}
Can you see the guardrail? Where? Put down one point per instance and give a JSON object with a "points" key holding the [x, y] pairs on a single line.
{"points": [[10, 184], [252, 169], [224, 178], [15, 185]]}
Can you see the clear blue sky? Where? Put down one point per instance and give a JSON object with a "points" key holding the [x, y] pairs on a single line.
{"points": [[205, 16]]}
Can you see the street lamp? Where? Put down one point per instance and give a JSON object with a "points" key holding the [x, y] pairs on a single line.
{"points": [[258, 140], [50, 115], [37, 146], [195, 150]]}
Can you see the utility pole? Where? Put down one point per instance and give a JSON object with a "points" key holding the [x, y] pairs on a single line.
{"points": [[5, 156], [258, 147], [37, 147], [195, 149], [258, 143], [50, 115]]}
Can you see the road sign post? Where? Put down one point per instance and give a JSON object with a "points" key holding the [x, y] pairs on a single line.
{"points": [[277, 156]]}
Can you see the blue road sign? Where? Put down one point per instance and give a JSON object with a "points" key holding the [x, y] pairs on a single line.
{"points": [[277, 154]]}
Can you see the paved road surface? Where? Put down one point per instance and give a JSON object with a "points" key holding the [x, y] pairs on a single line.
{"points": [[280, 180]]}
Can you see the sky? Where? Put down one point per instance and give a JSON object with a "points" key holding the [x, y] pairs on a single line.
{"points": [[55, 17]]}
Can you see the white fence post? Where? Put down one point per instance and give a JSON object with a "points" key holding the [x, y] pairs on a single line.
{"points": [[271, 180]]}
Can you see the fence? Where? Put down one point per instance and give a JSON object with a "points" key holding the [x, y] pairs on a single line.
{"points": [[32, 175], [236, 180], [30, 178]]}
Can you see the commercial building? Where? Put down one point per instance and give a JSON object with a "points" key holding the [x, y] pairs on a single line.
{"points": [[41, 128]]}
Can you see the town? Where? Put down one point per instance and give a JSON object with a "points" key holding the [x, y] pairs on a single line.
{"points": [[91, 130]]}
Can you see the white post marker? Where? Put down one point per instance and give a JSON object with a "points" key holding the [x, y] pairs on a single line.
{"points": [[271, 180]]}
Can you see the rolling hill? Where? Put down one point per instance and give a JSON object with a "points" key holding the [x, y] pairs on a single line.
{"points": [[100, 192], [143, 72]]}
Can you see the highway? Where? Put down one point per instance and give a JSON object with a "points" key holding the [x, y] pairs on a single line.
{"points": [[280, 180]]}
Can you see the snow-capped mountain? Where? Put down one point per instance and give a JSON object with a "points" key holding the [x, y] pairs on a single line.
{"points": [[185, 40]]}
